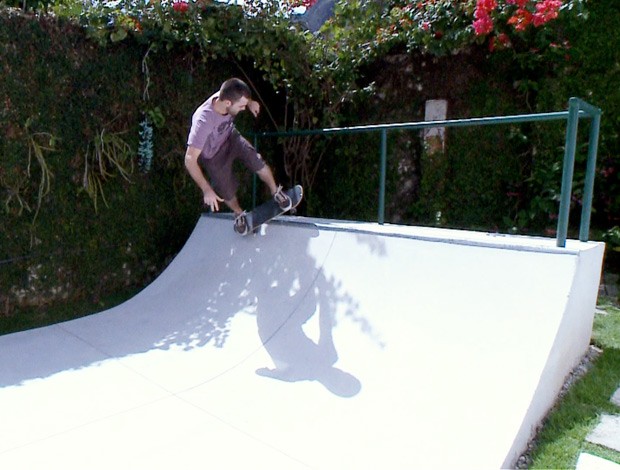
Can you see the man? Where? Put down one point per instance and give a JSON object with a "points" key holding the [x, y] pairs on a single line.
{"points": [[214, 144]]}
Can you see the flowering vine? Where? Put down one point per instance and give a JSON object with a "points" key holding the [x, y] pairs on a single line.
{"points": [[446, 26], [522, 13]]}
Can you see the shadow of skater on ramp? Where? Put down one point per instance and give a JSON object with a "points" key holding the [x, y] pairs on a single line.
{"points": [[297, 357], [277, 279]]}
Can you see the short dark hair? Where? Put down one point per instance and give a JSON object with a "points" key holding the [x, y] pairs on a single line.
{"points": [[234, 89]]}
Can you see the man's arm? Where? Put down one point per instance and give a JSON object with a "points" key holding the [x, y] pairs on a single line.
{"points": [[210, 198], [253, 107]]}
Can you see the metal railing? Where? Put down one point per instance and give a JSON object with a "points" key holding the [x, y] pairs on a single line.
{"points": [[577, 109]]}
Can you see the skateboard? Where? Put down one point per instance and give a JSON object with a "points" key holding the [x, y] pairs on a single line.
{"points": [[270, 209]]}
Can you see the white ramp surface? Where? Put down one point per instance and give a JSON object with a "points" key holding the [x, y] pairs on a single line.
{"points": [[315, 344]]}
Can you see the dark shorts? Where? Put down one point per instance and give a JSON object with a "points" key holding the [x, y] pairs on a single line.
{"points": [[220, 167]]}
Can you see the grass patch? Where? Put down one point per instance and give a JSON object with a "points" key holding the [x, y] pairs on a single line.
{"points": [[562, 437]]}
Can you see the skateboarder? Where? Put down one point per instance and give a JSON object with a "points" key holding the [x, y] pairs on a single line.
{"points": [[213, 145]]}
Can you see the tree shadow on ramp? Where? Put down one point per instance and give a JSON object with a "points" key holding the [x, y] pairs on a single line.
{"points": [[276, 276], [217, 278]]}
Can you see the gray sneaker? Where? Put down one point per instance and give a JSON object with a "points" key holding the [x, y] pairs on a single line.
{"points": [[241, 223], [283, 201]]}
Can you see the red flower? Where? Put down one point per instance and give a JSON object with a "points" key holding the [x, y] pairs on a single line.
{"points": [[521, 19], [483, 25], [546, 11], [486, 5], [503, 39], [180, 6]]}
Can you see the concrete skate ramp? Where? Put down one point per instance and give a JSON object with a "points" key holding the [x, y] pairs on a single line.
{"points": [[315, 344]]}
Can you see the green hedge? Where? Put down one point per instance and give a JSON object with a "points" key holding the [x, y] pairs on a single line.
{"points": [[592, 72], [72, 226]]}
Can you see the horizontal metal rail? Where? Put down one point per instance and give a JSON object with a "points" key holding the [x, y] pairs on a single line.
{"points": [[481, 121], [577, 109]]}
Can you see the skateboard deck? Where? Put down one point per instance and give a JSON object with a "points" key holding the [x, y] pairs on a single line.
{"points": [[270, 209]]}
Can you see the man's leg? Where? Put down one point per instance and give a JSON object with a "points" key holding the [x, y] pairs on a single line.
{"points": [[241, 222], [234, 205], [281, 198], [266, 176], [255, 163]]}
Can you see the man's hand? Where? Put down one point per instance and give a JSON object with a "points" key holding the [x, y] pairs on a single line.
{"points": [[253, 107], [212, 200], [209, 198]]}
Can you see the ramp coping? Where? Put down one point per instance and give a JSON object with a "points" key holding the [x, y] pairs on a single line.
{"points": [[434, 234]]}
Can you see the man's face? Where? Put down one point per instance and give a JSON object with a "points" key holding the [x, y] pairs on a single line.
{"points": [[238, 106]]}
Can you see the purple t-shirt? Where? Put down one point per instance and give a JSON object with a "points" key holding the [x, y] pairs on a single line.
{"points": [[209, 129]]}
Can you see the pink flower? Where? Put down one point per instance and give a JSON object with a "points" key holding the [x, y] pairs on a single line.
{"points": [[546, 11], [486, 5], [503, 39], [536, 12], [180, 6], [483, 25]]}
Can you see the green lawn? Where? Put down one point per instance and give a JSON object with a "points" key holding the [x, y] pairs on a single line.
{"points": [[562, 437]]}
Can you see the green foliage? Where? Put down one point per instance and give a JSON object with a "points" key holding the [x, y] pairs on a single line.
{"points": [[106, 156], [612, 238], [35, 317], [68, 138], [592, 71], [348, 178], [28, 5], [16, 180], [39, 144], [438, 27]]}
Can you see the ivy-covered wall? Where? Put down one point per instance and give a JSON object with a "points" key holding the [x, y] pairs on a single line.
{"points": [[79, 216]]}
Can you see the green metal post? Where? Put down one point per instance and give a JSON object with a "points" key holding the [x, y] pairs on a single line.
{"points": [[567, 172], [588, 190], [383, 167]]}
